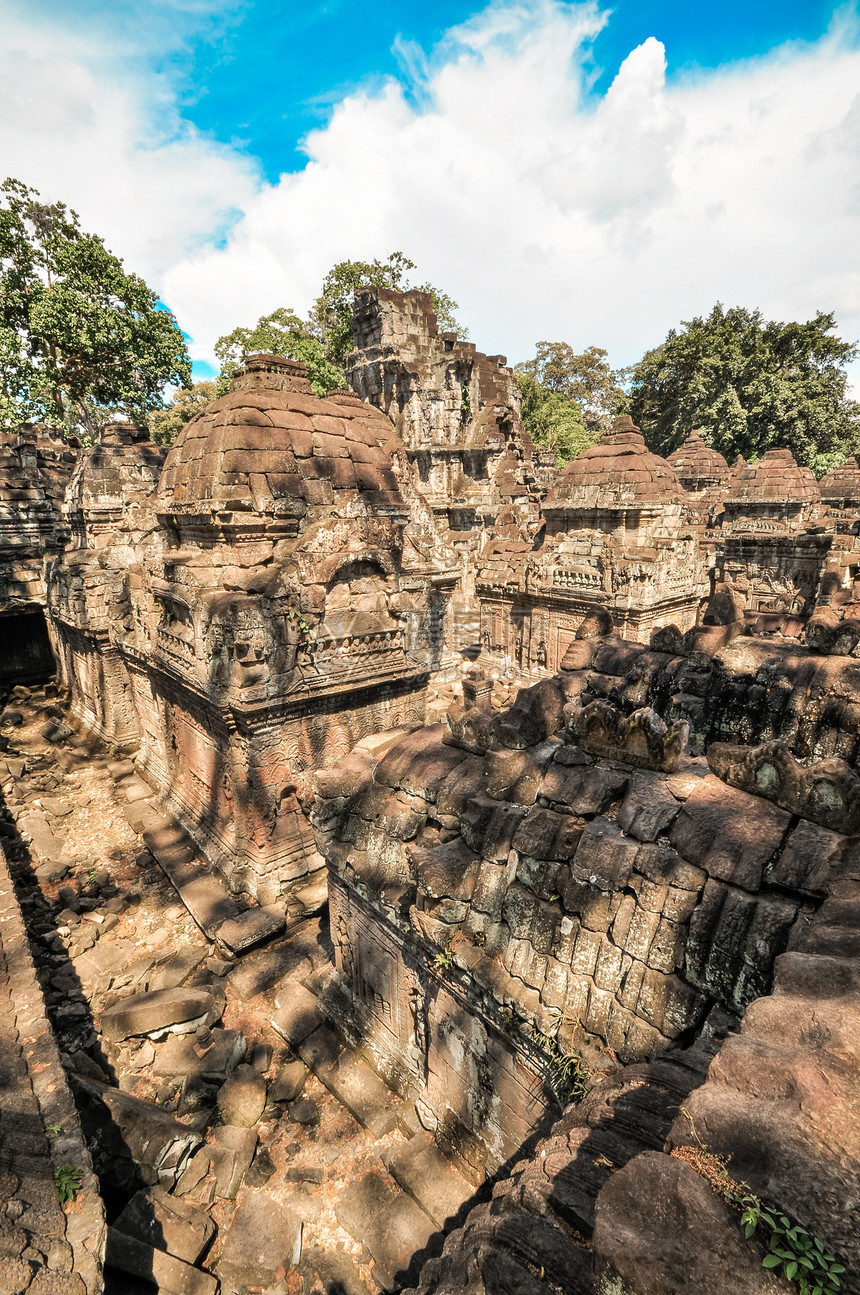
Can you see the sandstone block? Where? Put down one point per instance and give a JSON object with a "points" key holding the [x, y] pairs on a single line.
{"points": [[242, 1099], [262, 1242], [604, 858], [181, 1055], [163, 1010], [230, 1151], [648, 809], [165, 1223], [251, 927], [171, 1275], [297, 1014], [729, 833], [582, 790], [289, 1081]]}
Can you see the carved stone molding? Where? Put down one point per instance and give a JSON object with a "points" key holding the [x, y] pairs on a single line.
{"points": [[643, 738], [827, 792]]}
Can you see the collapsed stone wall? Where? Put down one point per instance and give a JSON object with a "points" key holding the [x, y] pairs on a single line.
{"points": [[483, 900], [561, 877]]}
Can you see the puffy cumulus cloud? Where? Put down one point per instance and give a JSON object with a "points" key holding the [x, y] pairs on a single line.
{"points": [[548, 213], [83, 118], [551, 215]]}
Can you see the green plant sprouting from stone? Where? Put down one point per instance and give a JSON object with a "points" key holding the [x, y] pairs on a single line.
{"points": [[800, 1256], [304, 627], [567, 1071], [444, 960], [67, 1180]]}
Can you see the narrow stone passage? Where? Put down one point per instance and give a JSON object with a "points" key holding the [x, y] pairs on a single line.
{"points": [[219, 1108]]}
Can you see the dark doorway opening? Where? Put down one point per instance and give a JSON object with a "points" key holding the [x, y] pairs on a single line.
{"points": [[25, 649]]}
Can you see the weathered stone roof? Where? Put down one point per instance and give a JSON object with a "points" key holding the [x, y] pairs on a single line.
{"points": [[269, 445], [620, 472], [120, 470], [695, 460], [775, 476], [842, 486]]}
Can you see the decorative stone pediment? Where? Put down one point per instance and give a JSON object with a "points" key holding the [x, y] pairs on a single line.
{"points": [[827, 792], [643, 738]]}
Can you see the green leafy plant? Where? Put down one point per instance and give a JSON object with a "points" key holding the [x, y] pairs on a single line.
{"points": [[302, 625], [67, 1180], [800, 1256], [568, 1073], [509, 1021], [444, 960], [52, 1128]]}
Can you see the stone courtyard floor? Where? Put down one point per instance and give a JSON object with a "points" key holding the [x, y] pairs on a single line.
{"points": [[266, 1157]]}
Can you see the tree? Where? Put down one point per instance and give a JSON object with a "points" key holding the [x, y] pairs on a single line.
{"points": [[281, 333], [331, 316], [750, 385], [584, 378], [166, 424], [553, 421], [81, 340]]}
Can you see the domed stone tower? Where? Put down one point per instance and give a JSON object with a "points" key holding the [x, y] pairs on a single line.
{"points": [[773, 489], [840, 489], [616, 486], [697, 464], [775, 541], [281, 618], [617, 536], [702, 471]]}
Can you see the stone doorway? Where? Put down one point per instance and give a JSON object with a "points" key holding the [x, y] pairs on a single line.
{"points": [[25, 649]]}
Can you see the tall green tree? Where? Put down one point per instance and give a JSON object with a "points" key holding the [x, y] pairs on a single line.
{"points": [[330, 317], [584, 378], [553, 420], [751, 385], [281, 333], [81, 340]]}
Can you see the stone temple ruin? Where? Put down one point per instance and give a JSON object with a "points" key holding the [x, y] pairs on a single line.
{"points": [[425, 869]]}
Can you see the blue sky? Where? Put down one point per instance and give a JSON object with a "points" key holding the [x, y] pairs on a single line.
{"points": [[271, 73], [585, 172]]}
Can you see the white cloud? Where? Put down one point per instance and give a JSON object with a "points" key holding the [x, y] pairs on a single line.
{"points": [[82, 119], [545, 214]]}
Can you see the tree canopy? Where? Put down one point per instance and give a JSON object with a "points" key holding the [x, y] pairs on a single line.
{"points": [[553, 421], [81, 340], [750, 385], [568, 398], [281, 333]]}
